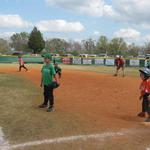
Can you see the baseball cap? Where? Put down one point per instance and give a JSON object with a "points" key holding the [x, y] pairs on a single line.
{"points": [[47, 56]]}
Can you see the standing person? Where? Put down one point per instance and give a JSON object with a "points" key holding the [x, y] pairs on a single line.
{"points": [[57, 70], [145, 93], [48, 74], [21, 63], [120, 64]]}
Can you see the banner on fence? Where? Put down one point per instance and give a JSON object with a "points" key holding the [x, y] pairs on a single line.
{"points": [[99, 61], [77, 61], [87, 61], [134, 63], [66, 60], [110, 62]]}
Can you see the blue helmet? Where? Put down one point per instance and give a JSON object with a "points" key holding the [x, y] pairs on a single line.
{"points": [[145, 71]]}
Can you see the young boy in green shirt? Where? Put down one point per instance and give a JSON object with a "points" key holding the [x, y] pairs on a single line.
{"points": [[48, 74]]}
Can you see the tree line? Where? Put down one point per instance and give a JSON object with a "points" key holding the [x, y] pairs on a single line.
{"points": [[34, 43]]}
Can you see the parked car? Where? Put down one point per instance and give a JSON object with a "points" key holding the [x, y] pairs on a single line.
{"points": [[67, 55], [103, 55], [83, 55], [92, 55]]}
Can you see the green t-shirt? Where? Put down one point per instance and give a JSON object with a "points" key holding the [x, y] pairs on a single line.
{"points": [[48, 73]]}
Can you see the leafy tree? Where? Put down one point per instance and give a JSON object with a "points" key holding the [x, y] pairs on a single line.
{"points": [[4, 46], [19, 41], [102, 45], [133, 50], [56, 45], [89, 45], [117, 46], [36, 41]]}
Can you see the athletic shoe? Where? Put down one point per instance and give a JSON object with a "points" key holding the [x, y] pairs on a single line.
{"points": [[115, 75], [142, 115], [42, 106], [147, 120], [51, 109]]}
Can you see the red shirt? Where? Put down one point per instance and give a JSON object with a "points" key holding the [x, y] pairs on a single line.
{"points": [[119, 61], [21, 62], [145, 87]]}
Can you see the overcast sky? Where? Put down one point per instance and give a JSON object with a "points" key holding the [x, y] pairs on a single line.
{"points": [[78, 19]]}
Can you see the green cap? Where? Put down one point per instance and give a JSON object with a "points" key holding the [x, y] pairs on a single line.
{"points": [[47, 56]]}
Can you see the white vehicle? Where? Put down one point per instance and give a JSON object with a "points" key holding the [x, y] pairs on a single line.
{"points": [[56, 55], [68, 55], [103, 55], [92, 55], [141, 56], [147, 56], [84, 55]]}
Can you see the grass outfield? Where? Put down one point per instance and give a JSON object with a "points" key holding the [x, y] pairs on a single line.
{"points": [[130, 71]]}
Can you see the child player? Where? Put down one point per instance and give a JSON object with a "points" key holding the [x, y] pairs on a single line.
{"points": [[57, 70], [48, 74], [145, 93], [120, 64], [21, 63]]}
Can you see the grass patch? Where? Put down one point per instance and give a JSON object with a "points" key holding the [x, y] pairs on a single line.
{"points": [[21, 119], [130, 71]]}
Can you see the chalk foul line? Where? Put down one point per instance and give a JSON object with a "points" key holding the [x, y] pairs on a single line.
{"points": [[4, 144], [62, 140]]}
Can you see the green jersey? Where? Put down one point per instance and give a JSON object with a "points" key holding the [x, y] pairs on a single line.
{"points": [[48, 73]]}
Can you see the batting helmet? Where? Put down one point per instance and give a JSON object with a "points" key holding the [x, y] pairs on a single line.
{"points": [[145, 71]]}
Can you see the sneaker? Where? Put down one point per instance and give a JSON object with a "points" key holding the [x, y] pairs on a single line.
{"points": [[115, 75], [51, 109], [141, 114], [42, 106], [147, 120]]}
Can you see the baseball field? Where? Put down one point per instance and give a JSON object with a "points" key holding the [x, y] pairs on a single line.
{"points": [[94, 110]]}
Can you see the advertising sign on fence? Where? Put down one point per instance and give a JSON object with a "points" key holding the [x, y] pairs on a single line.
{"points": [[134, 62], [99, 61], [66, 60], [87, 61], [110, 62], [77, 61]]}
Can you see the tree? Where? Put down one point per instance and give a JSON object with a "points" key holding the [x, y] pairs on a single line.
{"points": [[19, 41], [147, 47], [4, 46], [36, 41], [89, 45], [102, 45], [56, 45], [117, 46], [133, 50]]}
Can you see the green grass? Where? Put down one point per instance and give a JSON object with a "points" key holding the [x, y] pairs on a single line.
{"points": [[130, 71], [23, 121]]}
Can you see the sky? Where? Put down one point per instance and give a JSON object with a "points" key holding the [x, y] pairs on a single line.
{"points": [[78, 19]]}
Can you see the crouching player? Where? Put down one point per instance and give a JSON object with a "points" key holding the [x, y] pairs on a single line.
{"points": [[145, 93], [48, 73]]}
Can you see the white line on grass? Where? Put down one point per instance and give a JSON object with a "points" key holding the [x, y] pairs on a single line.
{"points": [[4, 144], [71, 139]]}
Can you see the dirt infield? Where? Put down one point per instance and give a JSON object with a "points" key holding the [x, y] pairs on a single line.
{"points": [[101, 101]]}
